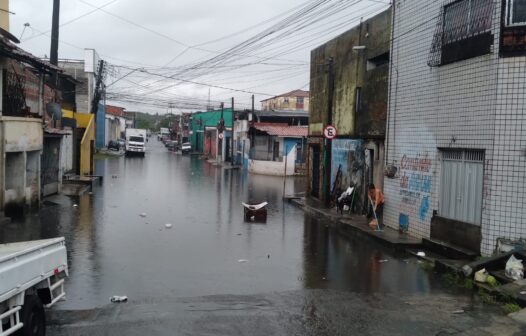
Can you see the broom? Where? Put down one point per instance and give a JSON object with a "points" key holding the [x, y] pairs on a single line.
{"points": [[378, 228]]}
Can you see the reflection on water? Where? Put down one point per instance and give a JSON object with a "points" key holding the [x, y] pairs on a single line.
{"points": [[114, 251]]}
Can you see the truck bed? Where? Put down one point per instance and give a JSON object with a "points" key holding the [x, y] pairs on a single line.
{"points": [[24, 264]]}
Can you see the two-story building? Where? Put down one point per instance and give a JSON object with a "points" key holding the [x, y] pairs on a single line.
{"points": [[290, 101], [348, 90], [456, 143]]}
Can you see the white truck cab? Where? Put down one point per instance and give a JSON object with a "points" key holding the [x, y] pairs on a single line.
{"points": [[135, 141]]}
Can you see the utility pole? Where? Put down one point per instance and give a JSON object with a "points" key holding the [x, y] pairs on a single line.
{"points": [[328, 143], [232, 136], [221, 125], [53, 54]]}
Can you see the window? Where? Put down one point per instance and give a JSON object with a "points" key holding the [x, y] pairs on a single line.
{"points": [[466, 18], [299, 100], [464, 32], [286, 100], [299, 103], [358, 100], [378, 61], [515, 12]]}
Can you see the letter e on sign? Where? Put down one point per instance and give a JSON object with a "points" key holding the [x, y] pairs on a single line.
{"points": [[329, 132]]}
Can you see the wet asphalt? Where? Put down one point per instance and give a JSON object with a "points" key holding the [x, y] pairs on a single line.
{"points": [[212, 273]]}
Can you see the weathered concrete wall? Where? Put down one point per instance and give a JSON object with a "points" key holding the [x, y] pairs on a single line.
{"points": [[84, 89], [350, 72], [22, 134]]}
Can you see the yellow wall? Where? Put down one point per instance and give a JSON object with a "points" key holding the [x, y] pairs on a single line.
{"points": [[4, 16], [86, 121]]}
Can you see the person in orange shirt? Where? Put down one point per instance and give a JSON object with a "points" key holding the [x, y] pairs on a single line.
{"points": [[377, 198]]}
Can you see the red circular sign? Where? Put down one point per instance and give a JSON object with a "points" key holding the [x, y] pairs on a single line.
{"points": [[329, 132]]}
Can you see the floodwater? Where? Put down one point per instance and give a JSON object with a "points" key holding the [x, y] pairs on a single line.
{"points": [[209, 250]]}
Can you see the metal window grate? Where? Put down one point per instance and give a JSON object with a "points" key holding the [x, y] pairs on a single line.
{"points": [[459, 21], [463, 155]]}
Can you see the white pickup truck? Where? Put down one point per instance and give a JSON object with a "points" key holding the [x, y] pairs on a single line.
{"points": [[31, 277]]}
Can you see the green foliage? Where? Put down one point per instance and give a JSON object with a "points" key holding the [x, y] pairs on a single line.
{"points": [[426, 265], [511, 308], [458, 280]]}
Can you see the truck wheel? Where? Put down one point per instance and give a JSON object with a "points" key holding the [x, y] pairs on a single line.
{"points": [[33, 316]]}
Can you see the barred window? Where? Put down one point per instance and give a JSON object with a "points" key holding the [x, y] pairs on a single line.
{"points": [[516, 12], [466, 18]]}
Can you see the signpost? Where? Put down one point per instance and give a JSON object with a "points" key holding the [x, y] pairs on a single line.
{"points": [[220, 135]]}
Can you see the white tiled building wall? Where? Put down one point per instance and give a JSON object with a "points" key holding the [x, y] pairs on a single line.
{"points": [[472, 104]]}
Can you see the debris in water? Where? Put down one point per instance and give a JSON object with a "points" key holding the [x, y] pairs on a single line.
{"points": [[75, 205], [383, 260], [168, 226], [143, 214], [242, 261], [117, 298], [460, 311], [253, 218], [421, 254], [523, 293]]}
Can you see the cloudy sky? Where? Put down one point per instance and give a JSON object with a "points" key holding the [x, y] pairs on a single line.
{"points": [[171, 55]]}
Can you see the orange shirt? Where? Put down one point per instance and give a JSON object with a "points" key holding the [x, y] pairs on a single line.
{"points": [[377, 196]]}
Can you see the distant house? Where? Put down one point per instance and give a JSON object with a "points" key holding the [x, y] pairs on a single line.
{"points": [[290, 101], [276, 148], [115, 123]]}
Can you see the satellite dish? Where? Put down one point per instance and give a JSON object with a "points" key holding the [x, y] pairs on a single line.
{"points": [[54, 111], [8, 35]]}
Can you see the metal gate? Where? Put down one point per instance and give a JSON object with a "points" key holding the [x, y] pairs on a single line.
{"points": [[461, 188]]}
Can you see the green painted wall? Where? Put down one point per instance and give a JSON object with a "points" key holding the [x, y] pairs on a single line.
{"points": [[200, 120]]}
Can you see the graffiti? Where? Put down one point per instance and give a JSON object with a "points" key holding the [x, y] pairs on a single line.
{"points": [[415, 188], [349, 155]]}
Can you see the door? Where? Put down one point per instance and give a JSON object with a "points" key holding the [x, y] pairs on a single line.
{"points": [[461, 187], [315, 170]]}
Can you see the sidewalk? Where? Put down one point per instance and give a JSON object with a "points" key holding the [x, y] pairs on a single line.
{"points": [[359, 224]]}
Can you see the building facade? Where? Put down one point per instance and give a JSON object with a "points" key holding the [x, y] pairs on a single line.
{"points": [[290, 101], [456, 150], [209, 136], [348, 90]]}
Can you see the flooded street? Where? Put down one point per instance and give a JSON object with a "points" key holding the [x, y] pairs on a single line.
{"points": [[210, 258]]}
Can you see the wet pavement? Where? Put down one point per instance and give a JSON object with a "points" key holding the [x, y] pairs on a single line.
{"points": [[214, 274]]}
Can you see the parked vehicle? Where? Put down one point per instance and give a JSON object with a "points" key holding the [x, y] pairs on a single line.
{"points": [[171, 145], [135, 141], [32, 277], [186, 148], [164, 134], [122, 143], [114, 145]]}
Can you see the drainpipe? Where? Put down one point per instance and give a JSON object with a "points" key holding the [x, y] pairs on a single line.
{"points": [[328, 143]]}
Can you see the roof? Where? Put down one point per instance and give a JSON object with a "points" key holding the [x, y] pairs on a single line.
{"points": [[10, 50], [282, 129], [283, 113], [294, 93], [114, 110]]}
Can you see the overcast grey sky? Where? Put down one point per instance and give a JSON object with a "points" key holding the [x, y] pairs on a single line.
{"points": [[132, 34]]}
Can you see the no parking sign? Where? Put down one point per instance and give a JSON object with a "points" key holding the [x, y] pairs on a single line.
{"points": [[329, 132]]}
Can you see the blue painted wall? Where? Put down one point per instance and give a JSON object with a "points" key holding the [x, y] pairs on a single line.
{"points": [[100, 127]]}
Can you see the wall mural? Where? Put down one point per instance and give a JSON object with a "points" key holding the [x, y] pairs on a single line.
{"points": [[416, 178], [348, 156]]}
